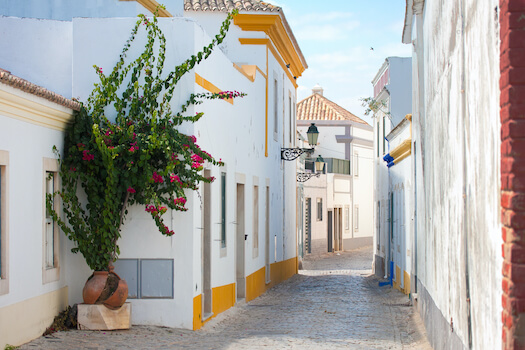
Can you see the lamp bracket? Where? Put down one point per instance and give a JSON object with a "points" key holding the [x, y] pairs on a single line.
{"points": [[303, 177], [293, 153]]}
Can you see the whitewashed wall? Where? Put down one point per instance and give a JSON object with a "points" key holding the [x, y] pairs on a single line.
{"points": [[456, 133]]}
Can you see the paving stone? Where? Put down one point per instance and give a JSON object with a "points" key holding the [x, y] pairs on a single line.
{"points": [[333, 303]]}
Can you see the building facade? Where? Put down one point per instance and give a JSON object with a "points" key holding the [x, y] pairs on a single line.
{"points": [[393, 96], [456, 157], [238, 237], [338, 203]]}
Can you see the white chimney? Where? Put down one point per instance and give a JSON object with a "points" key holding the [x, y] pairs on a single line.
{"points": [[317, 89]]}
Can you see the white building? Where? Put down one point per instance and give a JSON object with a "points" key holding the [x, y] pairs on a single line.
{"points": [[400, 242], [338, 203], [456, 153], [393, 94], [217, 256]]}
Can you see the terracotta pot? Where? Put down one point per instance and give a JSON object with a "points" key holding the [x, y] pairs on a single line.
{"points": [[118, 298], [94, 286], [105, 287]]}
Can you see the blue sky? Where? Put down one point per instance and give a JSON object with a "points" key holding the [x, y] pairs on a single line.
{"points": [[335, 37]]}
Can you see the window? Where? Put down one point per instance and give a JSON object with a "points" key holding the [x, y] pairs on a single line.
{"points": [[255, 221], [276, 109], [356, 164], [356, 217], [319, 209], [50, 231], [4, 271], [223, 210], [290, 116], [347, 218]]}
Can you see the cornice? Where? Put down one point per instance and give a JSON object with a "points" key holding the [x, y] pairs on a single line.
{"points": [[280, 36], [36, 110]]}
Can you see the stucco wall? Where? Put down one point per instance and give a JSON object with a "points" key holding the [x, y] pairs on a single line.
{"points": [[29, 291], [456, 131]]}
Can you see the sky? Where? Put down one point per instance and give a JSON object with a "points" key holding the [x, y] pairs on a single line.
{"points": [[336, 38]]}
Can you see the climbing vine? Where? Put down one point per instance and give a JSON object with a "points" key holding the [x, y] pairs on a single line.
{"points": [[137, 157]]}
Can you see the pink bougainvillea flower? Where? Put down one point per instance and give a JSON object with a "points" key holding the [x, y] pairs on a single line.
{"points": [[131, 190], [196, 165], [197, 158], [212, 178], [180, 200], [174, 178], [87, 156], [157, 178], [192, 138]]}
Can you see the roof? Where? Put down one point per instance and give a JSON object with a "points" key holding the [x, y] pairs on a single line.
{"points": [[21, 84], [318, 107], [229, 5]]}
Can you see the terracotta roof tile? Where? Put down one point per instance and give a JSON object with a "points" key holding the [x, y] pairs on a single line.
{"points": [[318, 107], [229, 5], [21, 84]]}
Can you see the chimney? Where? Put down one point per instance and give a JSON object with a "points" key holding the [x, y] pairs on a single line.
{"points": [[317, 89]]}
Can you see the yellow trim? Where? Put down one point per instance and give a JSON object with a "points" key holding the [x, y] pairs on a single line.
{"points": [[206, 85], [268, 43], [279, 272], [397, 281], [33, 316], [197, 312], [151, 5], [401, 149], [406, 283], [273, 26], [32, 109], [223, 298], [249, 71]]}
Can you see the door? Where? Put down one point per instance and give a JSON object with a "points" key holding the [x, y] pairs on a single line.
{"points": [[330, 231], [206, 250], [308, 226], [339, 228], [240, 244]]}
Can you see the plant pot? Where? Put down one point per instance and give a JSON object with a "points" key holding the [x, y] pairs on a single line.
{"points": [[94, 286], [105, 287]]}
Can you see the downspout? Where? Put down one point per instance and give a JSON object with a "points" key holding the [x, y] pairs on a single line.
{"points": [[465, 190]]}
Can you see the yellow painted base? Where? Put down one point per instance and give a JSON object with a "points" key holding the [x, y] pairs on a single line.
{"points": [[406, 284], [27, 320], [224, 296], [406, 281]]}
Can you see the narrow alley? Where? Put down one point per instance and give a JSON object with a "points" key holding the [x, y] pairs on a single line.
{"points": [[333, 303]]}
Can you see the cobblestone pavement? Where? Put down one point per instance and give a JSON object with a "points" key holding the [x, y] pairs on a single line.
{"points": [[333, 303]]}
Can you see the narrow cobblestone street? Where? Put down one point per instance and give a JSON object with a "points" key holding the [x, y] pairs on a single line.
{"points": [[333, 303]]}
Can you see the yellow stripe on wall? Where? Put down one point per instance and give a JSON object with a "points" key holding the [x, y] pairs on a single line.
{"points": [[223, 297], [279, 272], [206, 85]]}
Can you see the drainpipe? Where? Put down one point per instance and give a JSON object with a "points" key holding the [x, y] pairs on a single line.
{"points": [[466, 193]]}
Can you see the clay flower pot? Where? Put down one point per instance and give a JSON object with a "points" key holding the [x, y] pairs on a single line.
{"points": [[105, 287]]}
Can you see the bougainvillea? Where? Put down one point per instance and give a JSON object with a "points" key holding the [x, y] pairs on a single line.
{"points": [[137, 157]]}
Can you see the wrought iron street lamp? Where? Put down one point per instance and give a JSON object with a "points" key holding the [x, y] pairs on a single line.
{"points": [[319, 169], [294, 153]]}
